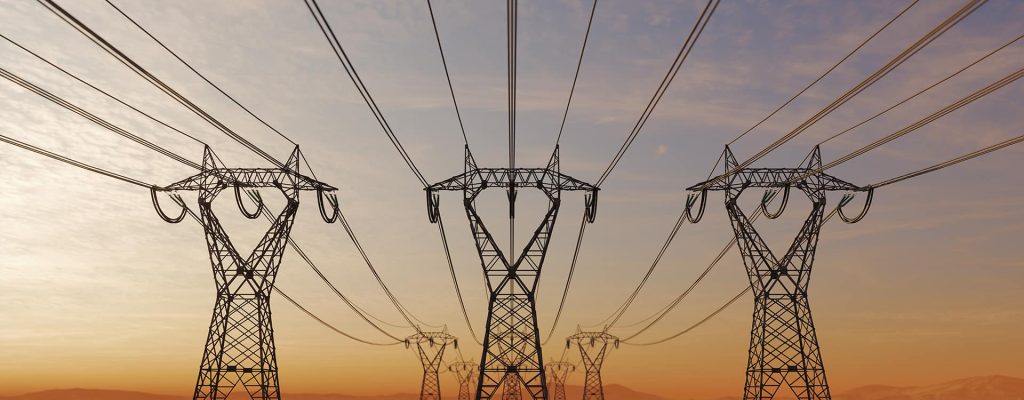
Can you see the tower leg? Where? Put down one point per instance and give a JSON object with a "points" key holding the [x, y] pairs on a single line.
{"points": [[240, 349], [784, 348], [593, 389]]}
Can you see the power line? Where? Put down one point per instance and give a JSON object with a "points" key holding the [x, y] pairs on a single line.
{"points": [[444, 63], [823, 75], [350, 70], [328, 325], [691, 40], [568, 280], [72, 162], [576, 76], [105, 93], [93, 118], [139, 183], [199, 74], [911, 97], [924, 121], [881, 72], [657, 259], [713, 314], [699, 323], [362, 252], [455, 279], [658, 316], [512, 11], [145, 74], [951, 162]]}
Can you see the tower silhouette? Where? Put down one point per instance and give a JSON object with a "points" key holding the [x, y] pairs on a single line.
{"points": [[465, 372], [784, 347], [593, 349], [511, 346], [430, 348], [558, 372], [239, 349]]}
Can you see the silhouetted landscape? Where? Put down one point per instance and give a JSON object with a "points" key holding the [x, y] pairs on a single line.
{"points": [[978, 388]]}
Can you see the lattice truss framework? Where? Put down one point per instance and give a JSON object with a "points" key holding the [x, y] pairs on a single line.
{"points": [[511, 347], [465, 372], [240, 348], [430, 348], [593, 348], [558, 372], [784, 347]]}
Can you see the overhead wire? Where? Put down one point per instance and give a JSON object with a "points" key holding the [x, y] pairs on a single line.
{"points": [[684, 52], [926, 39], [73, 162], [121, 57], [568, 279], [922, 91], [826, 73], [105, 93], [576, 76], [444, 63], [922, 122], [715, 313], [279, 133], [199, 74], [56, 99], [93, 118], [136, 182], [951, 162], [350, 70], [440, 222]]}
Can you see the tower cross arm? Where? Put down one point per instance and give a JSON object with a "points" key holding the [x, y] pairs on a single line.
{"points": [[542, 178], [250, 178], [809, 178]]}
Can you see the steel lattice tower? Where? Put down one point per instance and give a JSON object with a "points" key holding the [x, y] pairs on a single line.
{"points": [[593, 349], [511, 388], [783, 345], [240, 346], [511, 347], [558, 372], [465, 372], [430, 348]]}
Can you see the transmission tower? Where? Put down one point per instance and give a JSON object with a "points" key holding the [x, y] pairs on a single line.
{"points": [[465, 372], [240, 346], [511, 346], [558, 372], [593, 348], [783, 345], [430, 348]]}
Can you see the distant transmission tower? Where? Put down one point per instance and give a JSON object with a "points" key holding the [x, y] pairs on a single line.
{"points": [[558, 372], [430, 347], [511, 347], [240, 346], [593, 348], [465, 372], [511, 388], [783, 345]]}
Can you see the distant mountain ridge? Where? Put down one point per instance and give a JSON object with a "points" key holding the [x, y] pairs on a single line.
{"points": [[978, 388]]}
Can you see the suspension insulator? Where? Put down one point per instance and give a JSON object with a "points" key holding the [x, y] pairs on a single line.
{"points": [[433, 210], [332, 200], [691, 199], [590, 204], [160, 211], [255, 196], [863, 212], [769, 195]]}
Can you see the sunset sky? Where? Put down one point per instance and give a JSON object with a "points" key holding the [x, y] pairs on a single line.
{"points": [[96, 291]]}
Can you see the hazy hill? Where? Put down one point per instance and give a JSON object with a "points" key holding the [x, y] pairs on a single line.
{"points": [[979, 388]]}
